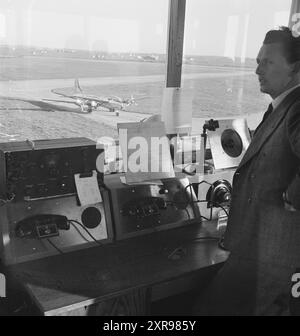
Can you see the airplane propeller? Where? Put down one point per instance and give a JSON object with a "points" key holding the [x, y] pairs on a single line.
{"points": [[130, 101]]}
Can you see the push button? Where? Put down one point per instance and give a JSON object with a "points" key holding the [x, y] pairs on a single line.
{"points": [[249, 200]]}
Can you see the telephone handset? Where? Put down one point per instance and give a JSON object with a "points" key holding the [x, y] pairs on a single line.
{"points": [[41, 226]]}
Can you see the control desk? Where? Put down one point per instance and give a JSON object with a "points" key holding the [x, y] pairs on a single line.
{"points": [[119, 254], [123, 278]]}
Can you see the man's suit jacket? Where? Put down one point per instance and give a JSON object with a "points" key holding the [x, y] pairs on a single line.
{"points": [[262, 236], [259, 226]]}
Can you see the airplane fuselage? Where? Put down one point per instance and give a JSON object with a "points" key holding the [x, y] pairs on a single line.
{"points": [[90, 102]]}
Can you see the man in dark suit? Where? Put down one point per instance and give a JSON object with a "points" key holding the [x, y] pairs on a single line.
{"points": [[263, 231]]}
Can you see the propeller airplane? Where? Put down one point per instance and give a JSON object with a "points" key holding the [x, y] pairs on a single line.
{"points": [[88, 103]]}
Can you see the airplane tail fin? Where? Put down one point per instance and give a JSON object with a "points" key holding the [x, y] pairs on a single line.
{"points": [[132, 100], [77, 87]]}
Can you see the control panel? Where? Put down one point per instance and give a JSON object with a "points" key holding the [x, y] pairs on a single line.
{"points": [[145, 208], [45, 168], [41, 214]]}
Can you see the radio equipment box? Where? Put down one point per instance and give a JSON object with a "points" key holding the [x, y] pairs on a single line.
{"points": [[144, 208], [40, 211]]}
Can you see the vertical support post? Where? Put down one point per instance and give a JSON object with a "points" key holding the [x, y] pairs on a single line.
{"points": [[175, 42]]}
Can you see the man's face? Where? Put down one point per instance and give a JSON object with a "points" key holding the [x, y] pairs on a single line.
{"points": [[275, 74]]}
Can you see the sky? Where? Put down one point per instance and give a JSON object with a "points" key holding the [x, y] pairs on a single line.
{"points": [[231, 28]]}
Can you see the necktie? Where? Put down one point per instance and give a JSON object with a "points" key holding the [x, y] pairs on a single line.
{"points": [[266, 115]]}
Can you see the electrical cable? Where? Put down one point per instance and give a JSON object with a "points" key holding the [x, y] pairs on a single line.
{"points": [[222, 207], [190, 202], [189, 216], [215, 203], [9, 200], [190, 185], [221, 244], [79, 232], [72, 221], [174, 203], [202, 201], [52, 244]]}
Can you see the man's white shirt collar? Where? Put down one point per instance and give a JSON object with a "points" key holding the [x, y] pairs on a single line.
{"points": [[280, 98]]}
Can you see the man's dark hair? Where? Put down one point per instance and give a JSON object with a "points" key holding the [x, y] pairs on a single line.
{"points": [[290, 44]]}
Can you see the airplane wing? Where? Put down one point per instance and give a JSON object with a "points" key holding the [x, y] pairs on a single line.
{"points": [[44, 106], [62, 101], [82, 96], [59, 93]]}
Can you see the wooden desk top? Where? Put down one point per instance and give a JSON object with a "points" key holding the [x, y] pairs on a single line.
{"points": [[81, 278]]}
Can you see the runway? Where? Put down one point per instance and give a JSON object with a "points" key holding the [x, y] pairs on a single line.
{"points": [[41, 89]]}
